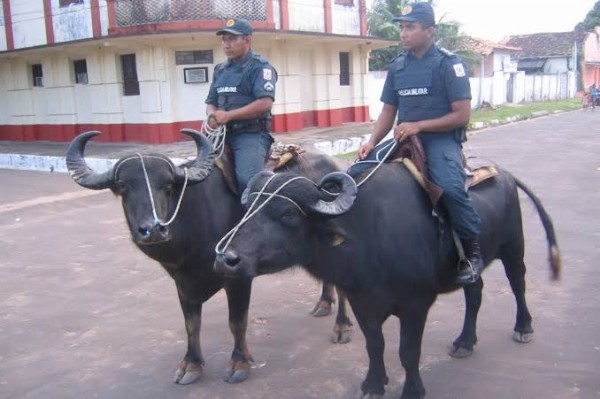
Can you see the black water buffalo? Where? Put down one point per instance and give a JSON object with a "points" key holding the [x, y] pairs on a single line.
{"points": [[382, 245], [184, 245]]}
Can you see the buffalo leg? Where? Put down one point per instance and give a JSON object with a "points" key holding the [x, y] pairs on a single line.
{"points": [[412, 325], [514, 268], [463, 345], [238, 299], [342, 329], [323, 306], [190, 368], [370, 319]]}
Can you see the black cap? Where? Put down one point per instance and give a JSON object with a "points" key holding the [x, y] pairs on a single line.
{"points": [[236, 26], [417, 12]]}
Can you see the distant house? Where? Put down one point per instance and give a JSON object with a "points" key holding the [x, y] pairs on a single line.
{"points": [[546, 53], [495, 57], [590, 71]]}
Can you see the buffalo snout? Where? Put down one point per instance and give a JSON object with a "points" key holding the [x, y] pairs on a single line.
{"points": [[226, 264], [149, 233]]}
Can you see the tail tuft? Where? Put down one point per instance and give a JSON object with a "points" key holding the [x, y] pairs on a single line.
{"points": [[555, 262]]}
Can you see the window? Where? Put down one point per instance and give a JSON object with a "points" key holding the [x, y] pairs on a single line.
{"points": [[131, 86], [193, 57], [345, 2], [80, 68], [66, 3], [344, 69], [37, 75]]}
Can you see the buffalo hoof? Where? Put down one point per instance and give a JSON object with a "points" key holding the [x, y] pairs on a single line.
{"points": [[321, 309], [342, 333], [459, 352], [522, 338], [187, 373], [237, 373]]}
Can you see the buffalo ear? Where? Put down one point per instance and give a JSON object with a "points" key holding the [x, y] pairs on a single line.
{"points": [[329, 233]]}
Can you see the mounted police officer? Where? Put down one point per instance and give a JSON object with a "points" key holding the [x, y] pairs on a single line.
{"points": [[428, 89], [241, 97]]}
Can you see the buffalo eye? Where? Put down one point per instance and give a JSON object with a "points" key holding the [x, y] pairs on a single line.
{"points": [[121, 186], [290, 217]]}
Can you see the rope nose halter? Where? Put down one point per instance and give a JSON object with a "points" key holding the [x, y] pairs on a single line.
{"points": [[157, 220]]}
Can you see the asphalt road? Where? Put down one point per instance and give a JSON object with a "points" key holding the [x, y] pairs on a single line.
{"points": [[83, 314]]}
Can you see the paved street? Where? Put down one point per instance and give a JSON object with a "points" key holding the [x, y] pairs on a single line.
{"points": [[83, 314]]}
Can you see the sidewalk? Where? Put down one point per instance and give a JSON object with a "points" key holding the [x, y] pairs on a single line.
{"points": [[50, 156]]}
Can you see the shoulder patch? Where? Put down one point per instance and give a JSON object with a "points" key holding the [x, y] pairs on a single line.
{"points": [[459, 70]]}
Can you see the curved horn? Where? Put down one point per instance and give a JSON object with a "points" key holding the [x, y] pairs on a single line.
{"points": [[345, 198], [200, 167], [78, 169], [256, 177]]}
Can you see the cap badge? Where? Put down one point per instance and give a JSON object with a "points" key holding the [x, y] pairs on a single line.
{"points": [[406, 10], [230, 23]]}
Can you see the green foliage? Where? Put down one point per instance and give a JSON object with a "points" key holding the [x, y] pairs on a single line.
{"points": [[591, 20]]}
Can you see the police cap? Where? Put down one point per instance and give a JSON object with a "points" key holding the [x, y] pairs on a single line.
{"points": [[236, 26], [417, 12]]}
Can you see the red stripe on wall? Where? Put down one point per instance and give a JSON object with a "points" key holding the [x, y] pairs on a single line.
{"points": [[48, 21], [284, 10], [8, 29], [362, 11], [96, 24], [328, 20], [161, 133]]}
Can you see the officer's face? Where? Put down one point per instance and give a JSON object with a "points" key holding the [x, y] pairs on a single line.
{"points": [[414, 37], [235, 47]]}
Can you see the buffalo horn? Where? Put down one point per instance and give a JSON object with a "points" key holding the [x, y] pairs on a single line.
{"points": [[200, 167], [78, 169], [344, 199]]}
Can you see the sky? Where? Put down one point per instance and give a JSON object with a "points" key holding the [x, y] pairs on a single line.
{"points": [[495, 19]]}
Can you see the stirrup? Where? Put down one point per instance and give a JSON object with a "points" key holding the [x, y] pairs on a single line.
{"points": [[464, 265]]}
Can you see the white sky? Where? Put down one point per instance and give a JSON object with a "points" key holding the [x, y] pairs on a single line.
{"points": [[495, 19]]}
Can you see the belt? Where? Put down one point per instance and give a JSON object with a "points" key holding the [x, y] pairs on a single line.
{"points": [[254, 125]]}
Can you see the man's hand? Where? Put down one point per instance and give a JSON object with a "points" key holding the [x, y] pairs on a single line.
{"points": [[212, 122], [364, 150], [221, 117], [406, 129]]}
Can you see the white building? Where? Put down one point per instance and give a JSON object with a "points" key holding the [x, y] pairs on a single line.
{"points": [[140, 70]]}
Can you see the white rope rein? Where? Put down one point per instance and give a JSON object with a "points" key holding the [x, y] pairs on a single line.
{"points": [[220, 248], [157, 220], [215, 135], [391, 146]]}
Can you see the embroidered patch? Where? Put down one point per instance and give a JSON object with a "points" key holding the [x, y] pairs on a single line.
{"points": [[459, 70], [269, 86], [406, 10], [267, 74], [230, 23]]}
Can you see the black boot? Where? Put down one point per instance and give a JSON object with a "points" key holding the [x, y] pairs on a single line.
{"points": [[469, 270]]}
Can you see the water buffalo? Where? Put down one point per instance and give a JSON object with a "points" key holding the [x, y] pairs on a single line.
{"points": [[201, 208], [382, 245]]}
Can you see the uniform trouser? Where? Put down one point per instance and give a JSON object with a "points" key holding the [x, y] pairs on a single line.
{"points": [[249, 153], [445, 165], [444, 162]]}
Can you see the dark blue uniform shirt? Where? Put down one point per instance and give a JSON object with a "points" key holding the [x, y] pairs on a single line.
{"points": [[425, 88], [236, 84]]}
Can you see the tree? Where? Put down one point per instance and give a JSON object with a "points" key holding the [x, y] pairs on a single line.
{"points": [[592, 19]]}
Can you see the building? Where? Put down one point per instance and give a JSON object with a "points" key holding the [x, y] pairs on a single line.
{"points": [[140, 70], [591, 58]]}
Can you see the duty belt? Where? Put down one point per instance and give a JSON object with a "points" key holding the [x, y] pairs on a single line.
{"points": [[253, 125]]}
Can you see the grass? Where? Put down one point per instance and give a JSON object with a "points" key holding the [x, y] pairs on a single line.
{"points": [[501, 113], [524, 110]]}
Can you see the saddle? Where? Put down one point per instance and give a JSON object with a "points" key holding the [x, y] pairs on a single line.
{"points": [[279, 156], [412, 155]]}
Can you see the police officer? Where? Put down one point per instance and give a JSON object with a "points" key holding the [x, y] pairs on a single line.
{"points": [[241, 97], [428, 89]]}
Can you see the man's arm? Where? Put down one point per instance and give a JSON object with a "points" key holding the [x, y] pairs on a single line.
{"points": [[458, 117], [384, 123], [255, 109]]}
